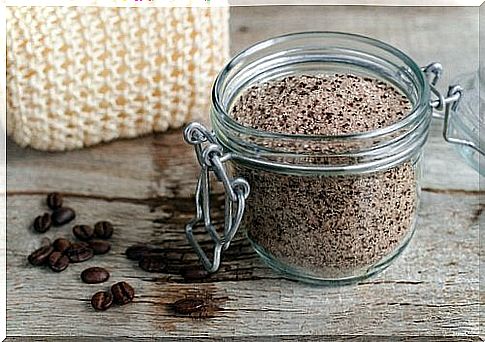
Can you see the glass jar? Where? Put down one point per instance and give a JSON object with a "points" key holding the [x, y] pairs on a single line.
{"points": [[470, 121], [321, 209]]}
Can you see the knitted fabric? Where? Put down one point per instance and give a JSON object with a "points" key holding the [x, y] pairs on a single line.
{"points": [[78, 76]]}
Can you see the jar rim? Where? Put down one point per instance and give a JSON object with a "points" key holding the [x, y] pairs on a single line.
{"points": [[419, 109]]}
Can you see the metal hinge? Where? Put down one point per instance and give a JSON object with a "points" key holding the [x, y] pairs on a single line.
{"points": [[211, 158], [446, 106]]}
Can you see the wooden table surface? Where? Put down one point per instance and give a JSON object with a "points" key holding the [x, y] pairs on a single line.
{"points": [[145, 186]]}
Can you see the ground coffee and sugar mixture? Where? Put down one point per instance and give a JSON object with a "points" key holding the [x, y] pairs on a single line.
{"points": [[327, 226], [326, 105]]}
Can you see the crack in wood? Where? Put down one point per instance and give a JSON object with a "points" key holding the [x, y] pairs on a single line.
{"points": [[71, 299], [433, 305], [224, 275], [149, 201], [403, 282], [454, 191], [184, 205], [264, 310]]}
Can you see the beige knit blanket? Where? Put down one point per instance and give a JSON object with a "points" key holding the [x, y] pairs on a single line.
{"points": [[78, 76]]}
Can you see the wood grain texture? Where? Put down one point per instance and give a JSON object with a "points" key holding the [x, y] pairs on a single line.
{"points": [[430, 289], [145, 186], [162, 166]]}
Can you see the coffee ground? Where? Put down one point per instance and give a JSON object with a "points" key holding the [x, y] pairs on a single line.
{"points": [[323, 105], [327, 226]]}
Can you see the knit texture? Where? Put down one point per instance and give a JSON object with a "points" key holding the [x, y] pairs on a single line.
{"points": [[78, 76]]}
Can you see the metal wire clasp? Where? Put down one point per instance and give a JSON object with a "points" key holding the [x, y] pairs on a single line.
{"points": [[449, 104], [211, 158]]}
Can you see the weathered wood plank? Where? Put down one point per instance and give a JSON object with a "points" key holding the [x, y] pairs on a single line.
{"points": [[152, 166], [145, 185], [160, 166], [432, 289]]}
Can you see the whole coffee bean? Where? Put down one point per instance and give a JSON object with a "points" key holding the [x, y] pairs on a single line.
{"points": [[102, 301], [188, 306], [137, 252], [193, 273], [40, 256], [153, 263], [42, 223], [83, 232], [62, 216], [103, 229], [61, 244], [122, 292], [79, 252], [100, 246], [94, 275], [58, 262], [54, 200]]}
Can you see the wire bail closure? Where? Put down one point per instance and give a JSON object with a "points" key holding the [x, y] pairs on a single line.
{"points": [[449, 104], [211, 158]]}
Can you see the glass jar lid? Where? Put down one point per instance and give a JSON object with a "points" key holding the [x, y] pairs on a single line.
{"points": [[470, 118]]}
